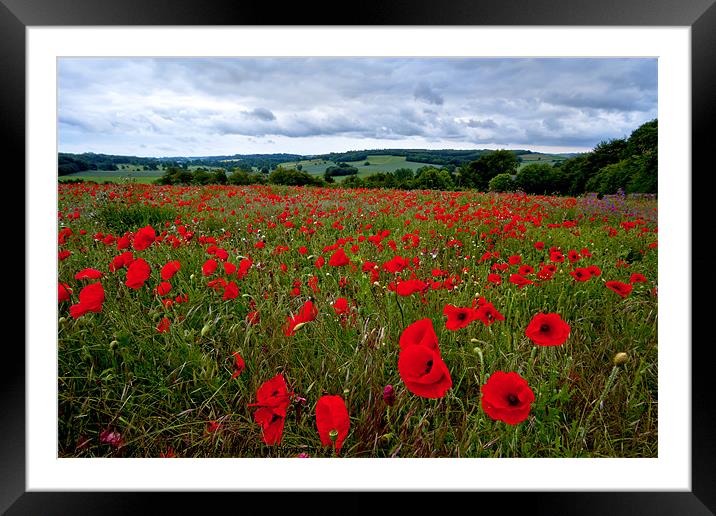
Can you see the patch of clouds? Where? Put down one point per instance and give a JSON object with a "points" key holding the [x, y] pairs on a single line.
{"points": [[222, 102], [427, 94]]}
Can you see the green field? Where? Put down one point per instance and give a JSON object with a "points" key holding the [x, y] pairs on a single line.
{"points": [[126, 174], [536, 157], [377, 163]]}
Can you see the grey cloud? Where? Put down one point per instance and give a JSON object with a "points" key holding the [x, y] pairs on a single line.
{"points": [[425, 93], [262, 114], [488, 123], [467, 101]]}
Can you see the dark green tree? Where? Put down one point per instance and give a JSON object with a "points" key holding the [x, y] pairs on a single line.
{"points": [[536, 178], [477, 174], [502, 183]]}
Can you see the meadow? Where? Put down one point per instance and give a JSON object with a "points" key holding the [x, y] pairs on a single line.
{"points": [[268, 321], [376, 163]]}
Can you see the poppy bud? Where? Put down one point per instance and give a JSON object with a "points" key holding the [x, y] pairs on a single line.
{"points": [[620, 358], [61, 320], [191, 277], [113, 344], [389, 395], [333, 434], [205, 329]]}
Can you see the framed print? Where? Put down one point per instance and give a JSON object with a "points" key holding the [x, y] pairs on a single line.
{"points": [[187, 80]]}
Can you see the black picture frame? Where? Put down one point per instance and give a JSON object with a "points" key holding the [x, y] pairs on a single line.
{"points": [[699, 15]]}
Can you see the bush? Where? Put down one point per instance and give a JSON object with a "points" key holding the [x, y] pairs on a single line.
{"points": [[502, 183], [292, 177], [537, 178]]}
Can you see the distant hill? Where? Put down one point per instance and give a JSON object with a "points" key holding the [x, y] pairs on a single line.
{"points": [[69, 163]]}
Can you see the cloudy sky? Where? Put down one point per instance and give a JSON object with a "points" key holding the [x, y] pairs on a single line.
{"points": [[203, 107]]}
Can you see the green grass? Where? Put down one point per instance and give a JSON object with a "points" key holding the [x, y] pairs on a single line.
{"points": [[160, 390], [378, 163], [536, 157]]}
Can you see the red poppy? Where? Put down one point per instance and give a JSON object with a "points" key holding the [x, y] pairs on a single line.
{"points": [[623, 289], [409, 287], [332, 420], [144, 238], [169, 454], [458, 317], [423, 371], [63, 292], [209, 267], [253, 317], [244, 266], [637, 278], [163, 325], [494, 278], [231, 291], [121, 261], [88, 274], [229, 268], [273, 394], [137, 273], [420, 333], [396, 264], [307, 313], [163, 288], [341, 306], [581, 274], [594, 270], [525, 269], [520, 281], [91, 299], [507, 397], [123, 243], [488, 314], [272, 424], [273, 400], [240, 364], [339, 258], [170, 269], [573, 256], [547, 330]]}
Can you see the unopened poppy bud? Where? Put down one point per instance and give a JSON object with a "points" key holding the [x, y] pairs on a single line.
{"points": [[205, 329], [191, 277], [113, 344], [389, 395], [61, 320], [620, 358], [333, 434]]}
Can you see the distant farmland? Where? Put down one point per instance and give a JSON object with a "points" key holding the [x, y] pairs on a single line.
{"points": [[536, 157], [376, 163], [126, 174]]}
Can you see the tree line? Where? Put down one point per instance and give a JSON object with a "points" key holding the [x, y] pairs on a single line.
{"points": [[627, 164]]}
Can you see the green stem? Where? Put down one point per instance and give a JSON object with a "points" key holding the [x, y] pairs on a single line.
{"points": [[602, 397]]}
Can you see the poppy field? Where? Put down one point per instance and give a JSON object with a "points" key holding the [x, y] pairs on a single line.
{"points": [[271, 321]]}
